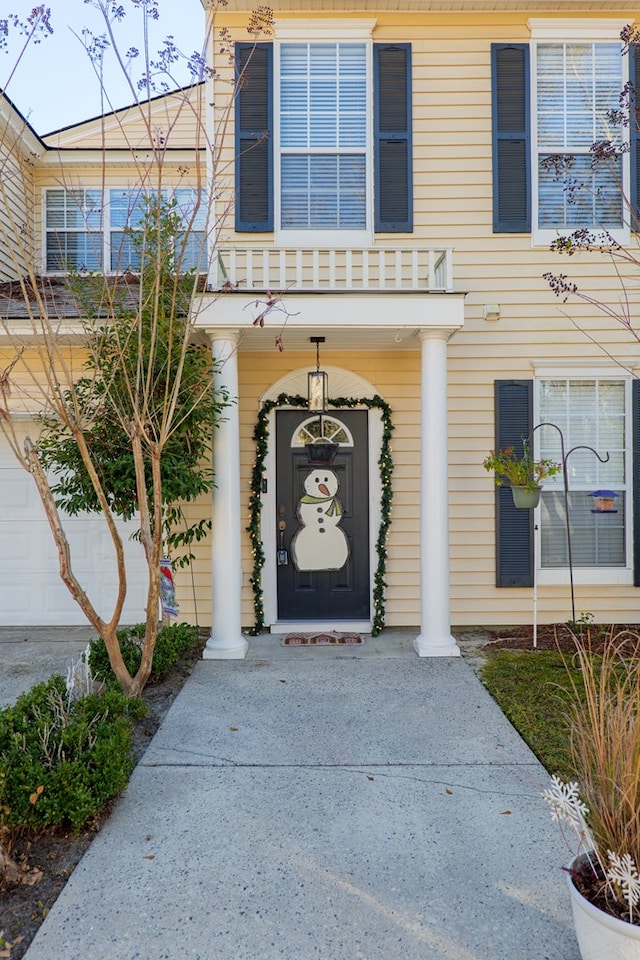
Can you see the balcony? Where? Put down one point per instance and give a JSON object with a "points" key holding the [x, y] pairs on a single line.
{"points": [[309, 269]]}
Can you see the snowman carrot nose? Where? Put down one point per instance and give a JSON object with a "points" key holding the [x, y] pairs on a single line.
{"points": [[323, 489]]}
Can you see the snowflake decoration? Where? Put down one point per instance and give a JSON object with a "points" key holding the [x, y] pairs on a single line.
{"points": [[566, 805], [624, 873]]}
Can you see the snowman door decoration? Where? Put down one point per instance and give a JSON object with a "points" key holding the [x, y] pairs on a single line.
{"points": [[319, 542]]}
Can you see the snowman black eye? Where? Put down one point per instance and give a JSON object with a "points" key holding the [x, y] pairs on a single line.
{"points": [[326, 479]]}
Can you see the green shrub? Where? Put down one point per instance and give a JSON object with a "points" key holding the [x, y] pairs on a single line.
{"points": [[62, 761], [171, 644]]}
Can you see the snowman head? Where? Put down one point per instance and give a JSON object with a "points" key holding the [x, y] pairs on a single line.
{"points": [[321, 483]]}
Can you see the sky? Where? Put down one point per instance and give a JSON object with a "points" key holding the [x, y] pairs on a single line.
{"points": [[55, 85]]}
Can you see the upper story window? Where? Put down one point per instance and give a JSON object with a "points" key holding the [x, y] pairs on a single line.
{"points": [[86, 230], [73, 224], [577, 87], [323, 139], [323, 136], [551, 101]]}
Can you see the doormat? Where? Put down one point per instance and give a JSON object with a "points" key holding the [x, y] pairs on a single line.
{"points": [[320, 639]]}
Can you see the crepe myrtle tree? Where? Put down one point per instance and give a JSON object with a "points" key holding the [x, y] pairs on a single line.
{"points": [[131, 433], [140, 344], [600, 240]]}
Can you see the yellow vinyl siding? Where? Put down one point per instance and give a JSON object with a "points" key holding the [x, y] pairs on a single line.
{"points": [[453, 206], [178, 119], [28, 391], [16, 211]]}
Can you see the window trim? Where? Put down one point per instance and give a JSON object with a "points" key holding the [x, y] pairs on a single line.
{"points": [[601, 575], [335, 237], [567, 31], [105, 229], [333, 418], [95, 231]]}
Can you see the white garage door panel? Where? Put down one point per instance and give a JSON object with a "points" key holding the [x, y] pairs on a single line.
{"points": [[31, 591], [17, 495]]}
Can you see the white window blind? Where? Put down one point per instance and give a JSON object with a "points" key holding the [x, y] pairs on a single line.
{"points": [[73, 223], [593, 413], [125, 215], [323, 135], [577, 85]]}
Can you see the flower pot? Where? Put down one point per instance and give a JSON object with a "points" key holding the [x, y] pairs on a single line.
{"points": [[525, 498], [600, 935]]}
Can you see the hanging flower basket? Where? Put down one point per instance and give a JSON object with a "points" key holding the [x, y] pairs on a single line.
{"points": [[319, 454], [526, 498], [520, 470]]}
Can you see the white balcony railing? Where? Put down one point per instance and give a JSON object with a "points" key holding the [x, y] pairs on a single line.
{"points": [[427, 269]]}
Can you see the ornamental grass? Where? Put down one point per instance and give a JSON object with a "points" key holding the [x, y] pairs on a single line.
{"points": [[602, 806], [605, 742]]}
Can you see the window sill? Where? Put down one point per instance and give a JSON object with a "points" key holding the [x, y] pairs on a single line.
{"points": [[331, 239], [544, 238], [586, 577]]}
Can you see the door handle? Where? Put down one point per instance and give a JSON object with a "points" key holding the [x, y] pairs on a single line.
{"points": [[283, 555]]}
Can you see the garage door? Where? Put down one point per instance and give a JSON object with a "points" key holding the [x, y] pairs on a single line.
{"points": [[31, 591]]}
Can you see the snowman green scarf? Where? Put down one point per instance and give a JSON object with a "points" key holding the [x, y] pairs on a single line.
{"points": [[334, 509]]}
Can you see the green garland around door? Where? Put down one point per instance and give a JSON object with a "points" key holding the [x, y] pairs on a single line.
{"points": [[385, 464]]}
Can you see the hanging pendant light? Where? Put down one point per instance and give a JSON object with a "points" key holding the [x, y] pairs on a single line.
{"points": [[320, 452], [317, 382]]}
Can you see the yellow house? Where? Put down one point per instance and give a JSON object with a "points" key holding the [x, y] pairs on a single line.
{"points": [[389, 184]]}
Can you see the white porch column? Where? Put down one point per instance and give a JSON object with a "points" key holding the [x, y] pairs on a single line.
{"points": [[435, 638], [226, 641]]}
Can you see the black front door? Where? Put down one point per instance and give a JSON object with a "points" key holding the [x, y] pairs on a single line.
{"points": [[322, 520]]}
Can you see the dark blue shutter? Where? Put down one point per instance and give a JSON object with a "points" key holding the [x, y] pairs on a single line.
{"points": [[510, 111], [635, 478], [392, 138], [634, 136], [254, 140], [514, 527]]}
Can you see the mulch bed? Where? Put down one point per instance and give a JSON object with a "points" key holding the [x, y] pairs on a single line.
{"points": [[558, 636]]}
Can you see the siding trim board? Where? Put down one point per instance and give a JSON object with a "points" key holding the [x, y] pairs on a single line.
{"points": [[635, 477], [634, 140]]}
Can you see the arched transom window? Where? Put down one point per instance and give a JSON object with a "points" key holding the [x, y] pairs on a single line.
{"points": [[322, 428]]}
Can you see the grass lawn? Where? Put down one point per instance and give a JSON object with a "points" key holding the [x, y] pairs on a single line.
{"points": [[532, 691]]}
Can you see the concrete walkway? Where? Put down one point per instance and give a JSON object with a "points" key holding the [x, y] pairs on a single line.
{"points": [[349, 804]]}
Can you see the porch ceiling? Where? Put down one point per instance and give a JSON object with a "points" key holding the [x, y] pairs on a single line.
{"points": [[379, 321], [270, 336]]}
